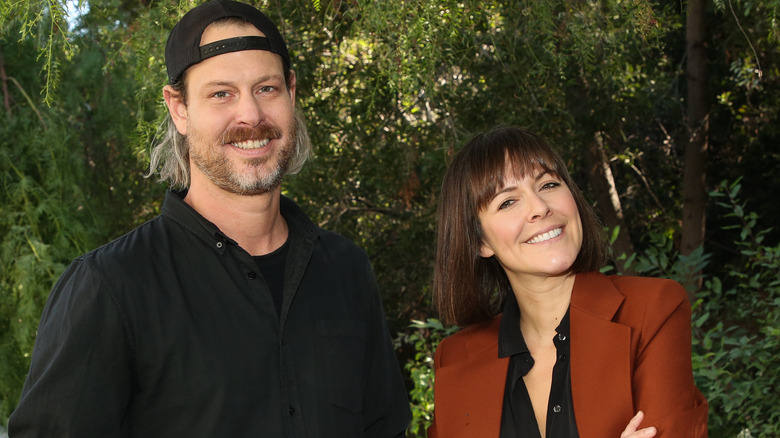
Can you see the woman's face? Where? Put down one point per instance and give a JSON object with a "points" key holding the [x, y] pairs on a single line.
{"points": [[532, 226]]}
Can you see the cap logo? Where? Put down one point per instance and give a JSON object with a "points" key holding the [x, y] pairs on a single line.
{"points": [[235, 45]]}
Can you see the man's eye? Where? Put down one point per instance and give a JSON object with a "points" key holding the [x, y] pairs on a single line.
{"points": [[221, 94], [266, 89]]}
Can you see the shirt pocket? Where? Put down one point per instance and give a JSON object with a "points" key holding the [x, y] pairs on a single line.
{"points": [[342, 348]]}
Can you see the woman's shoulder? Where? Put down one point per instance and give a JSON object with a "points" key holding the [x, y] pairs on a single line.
{"points": [[469, 340], [596, 290], [649, 289], [642, 300]]}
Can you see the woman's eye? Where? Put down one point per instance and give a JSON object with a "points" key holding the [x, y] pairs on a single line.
{"points": [[506, 204], [551, 185]]}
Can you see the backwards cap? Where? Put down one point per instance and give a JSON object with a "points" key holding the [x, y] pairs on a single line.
{"points": [[183, 48]]}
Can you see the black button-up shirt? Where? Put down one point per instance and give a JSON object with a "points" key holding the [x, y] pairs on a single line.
{"points": [[518, 419], [170, 332]]}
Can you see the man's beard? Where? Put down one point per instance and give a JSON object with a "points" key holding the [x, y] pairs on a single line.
{"points": [[248, 177]]}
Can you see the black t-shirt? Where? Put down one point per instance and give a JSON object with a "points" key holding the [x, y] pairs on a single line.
{"points": [[271, 267]]}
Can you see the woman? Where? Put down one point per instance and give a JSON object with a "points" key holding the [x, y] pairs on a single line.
{"points": [[574, 353]]}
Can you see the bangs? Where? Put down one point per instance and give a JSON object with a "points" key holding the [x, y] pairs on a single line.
{"points": [[494, 160]]}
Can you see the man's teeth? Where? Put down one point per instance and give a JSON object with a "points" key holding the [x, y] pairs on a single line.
{"points": [[251, 144], [546, 236]]}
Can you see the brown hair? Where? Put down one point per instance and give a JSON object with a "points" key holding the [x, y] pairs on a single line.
{"points": [[468, 288]]}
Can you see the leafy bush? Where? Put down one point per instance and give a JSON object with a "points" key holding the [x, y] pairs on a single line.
{"points": [[736, 321], [424, 337], [737, 331]]}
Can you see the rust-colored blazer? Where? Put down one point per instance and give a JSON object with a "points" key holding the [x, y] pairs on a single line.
{"points": [[630, 351]]}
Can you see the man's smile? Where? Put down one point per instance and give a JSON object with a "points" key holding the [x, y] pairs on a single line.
{"points": [[251, 144]]}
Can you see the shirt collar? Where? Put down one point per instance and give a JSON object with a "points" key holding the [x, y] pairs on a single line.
{"points": [[176, 209], [510, 338]]}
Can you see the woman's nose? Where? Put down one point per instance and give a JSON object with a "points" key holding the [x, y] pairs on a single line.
{"points": [[538, 207]]}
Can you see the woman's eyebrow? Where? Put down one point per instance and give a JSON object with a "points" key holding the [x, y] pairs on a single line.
{"points": [[504, 190]]}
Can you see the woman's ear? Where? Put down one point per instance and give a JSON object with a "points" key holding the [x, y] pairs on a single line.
{"points": [[486, 251], [176, 108]]}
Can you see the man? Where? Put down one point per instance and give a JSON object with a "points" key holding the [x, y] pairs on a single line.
{"points": [[230, 314]]}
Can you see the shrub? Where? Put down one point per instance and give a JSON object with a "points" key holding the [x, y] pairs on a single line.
{"points": [[424, 338], [736, 321]]}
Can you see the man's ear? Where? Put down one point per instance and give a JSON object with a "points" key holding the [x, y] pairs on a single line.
{"points": [[291, 86], [177, 108]]}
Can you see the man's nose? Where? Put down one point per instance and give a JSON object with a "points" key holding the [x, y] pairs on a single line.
{"points": [[249, 111]]}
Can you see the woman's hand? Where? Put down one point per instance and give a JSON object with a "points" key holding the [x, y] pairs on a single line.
{"points": [[631, 430]]}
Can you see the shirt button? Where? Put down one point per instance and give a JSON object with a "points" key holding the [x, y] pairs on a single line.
{"points": [[292, 410], [562, 356], [561, 337], [557, 408], [251, 275], [219, 244]]}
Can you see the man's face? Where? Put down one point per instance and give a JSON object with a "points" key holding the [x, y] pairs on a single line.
{"points": [[239, 117]]}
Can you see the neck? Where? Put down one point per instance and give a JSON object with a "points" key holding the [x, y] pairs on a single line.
{"points": [[543, 303], [254, 222]]}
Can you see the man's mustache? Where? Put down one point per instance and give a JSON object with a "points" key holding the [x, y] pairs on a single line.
{"points": [[262, 132]]}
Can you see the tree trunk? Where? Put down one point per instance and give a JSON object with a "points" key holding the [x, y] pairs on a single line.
{"points": [[608, 201], [694, 171], [4, 80]]}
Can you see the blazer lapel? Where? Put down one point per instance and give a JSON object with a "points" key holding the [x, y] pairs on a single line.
{"points": [[600, 358]]}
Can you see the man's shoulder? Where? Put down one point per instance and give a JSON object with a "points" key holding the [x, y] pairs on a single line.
{"points": [[132, 246], [332, 239], [302, 224]]}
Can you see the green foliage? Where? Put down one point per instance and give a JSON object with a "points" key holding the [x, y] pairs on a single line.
{"points": [[736, 321], [36, 175], [44, 20], [69, 183], [42, 226], [423, 338], [737, 329]]}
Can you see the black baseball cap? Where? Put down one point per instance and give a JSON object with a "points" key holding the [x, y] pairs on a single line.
{"points": [[183, 48]]}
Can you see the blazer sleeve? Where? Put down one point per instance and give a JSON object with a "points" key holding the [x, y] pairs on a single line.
{"points": [[663, 384], [469, 384], [432, 431]]}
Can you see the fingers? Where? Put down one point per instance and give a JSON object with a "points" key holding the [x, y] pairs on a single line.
{"points": [[647, 432], [633, 425], [632, 429]]}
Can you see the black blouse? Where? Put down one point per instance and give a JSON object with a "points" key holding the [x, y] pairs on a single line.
{"points": [[518, 419]]}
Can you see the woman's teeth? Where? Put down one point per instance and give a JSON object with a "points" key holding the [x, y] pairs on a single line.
{"points": [[546, 236]]}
